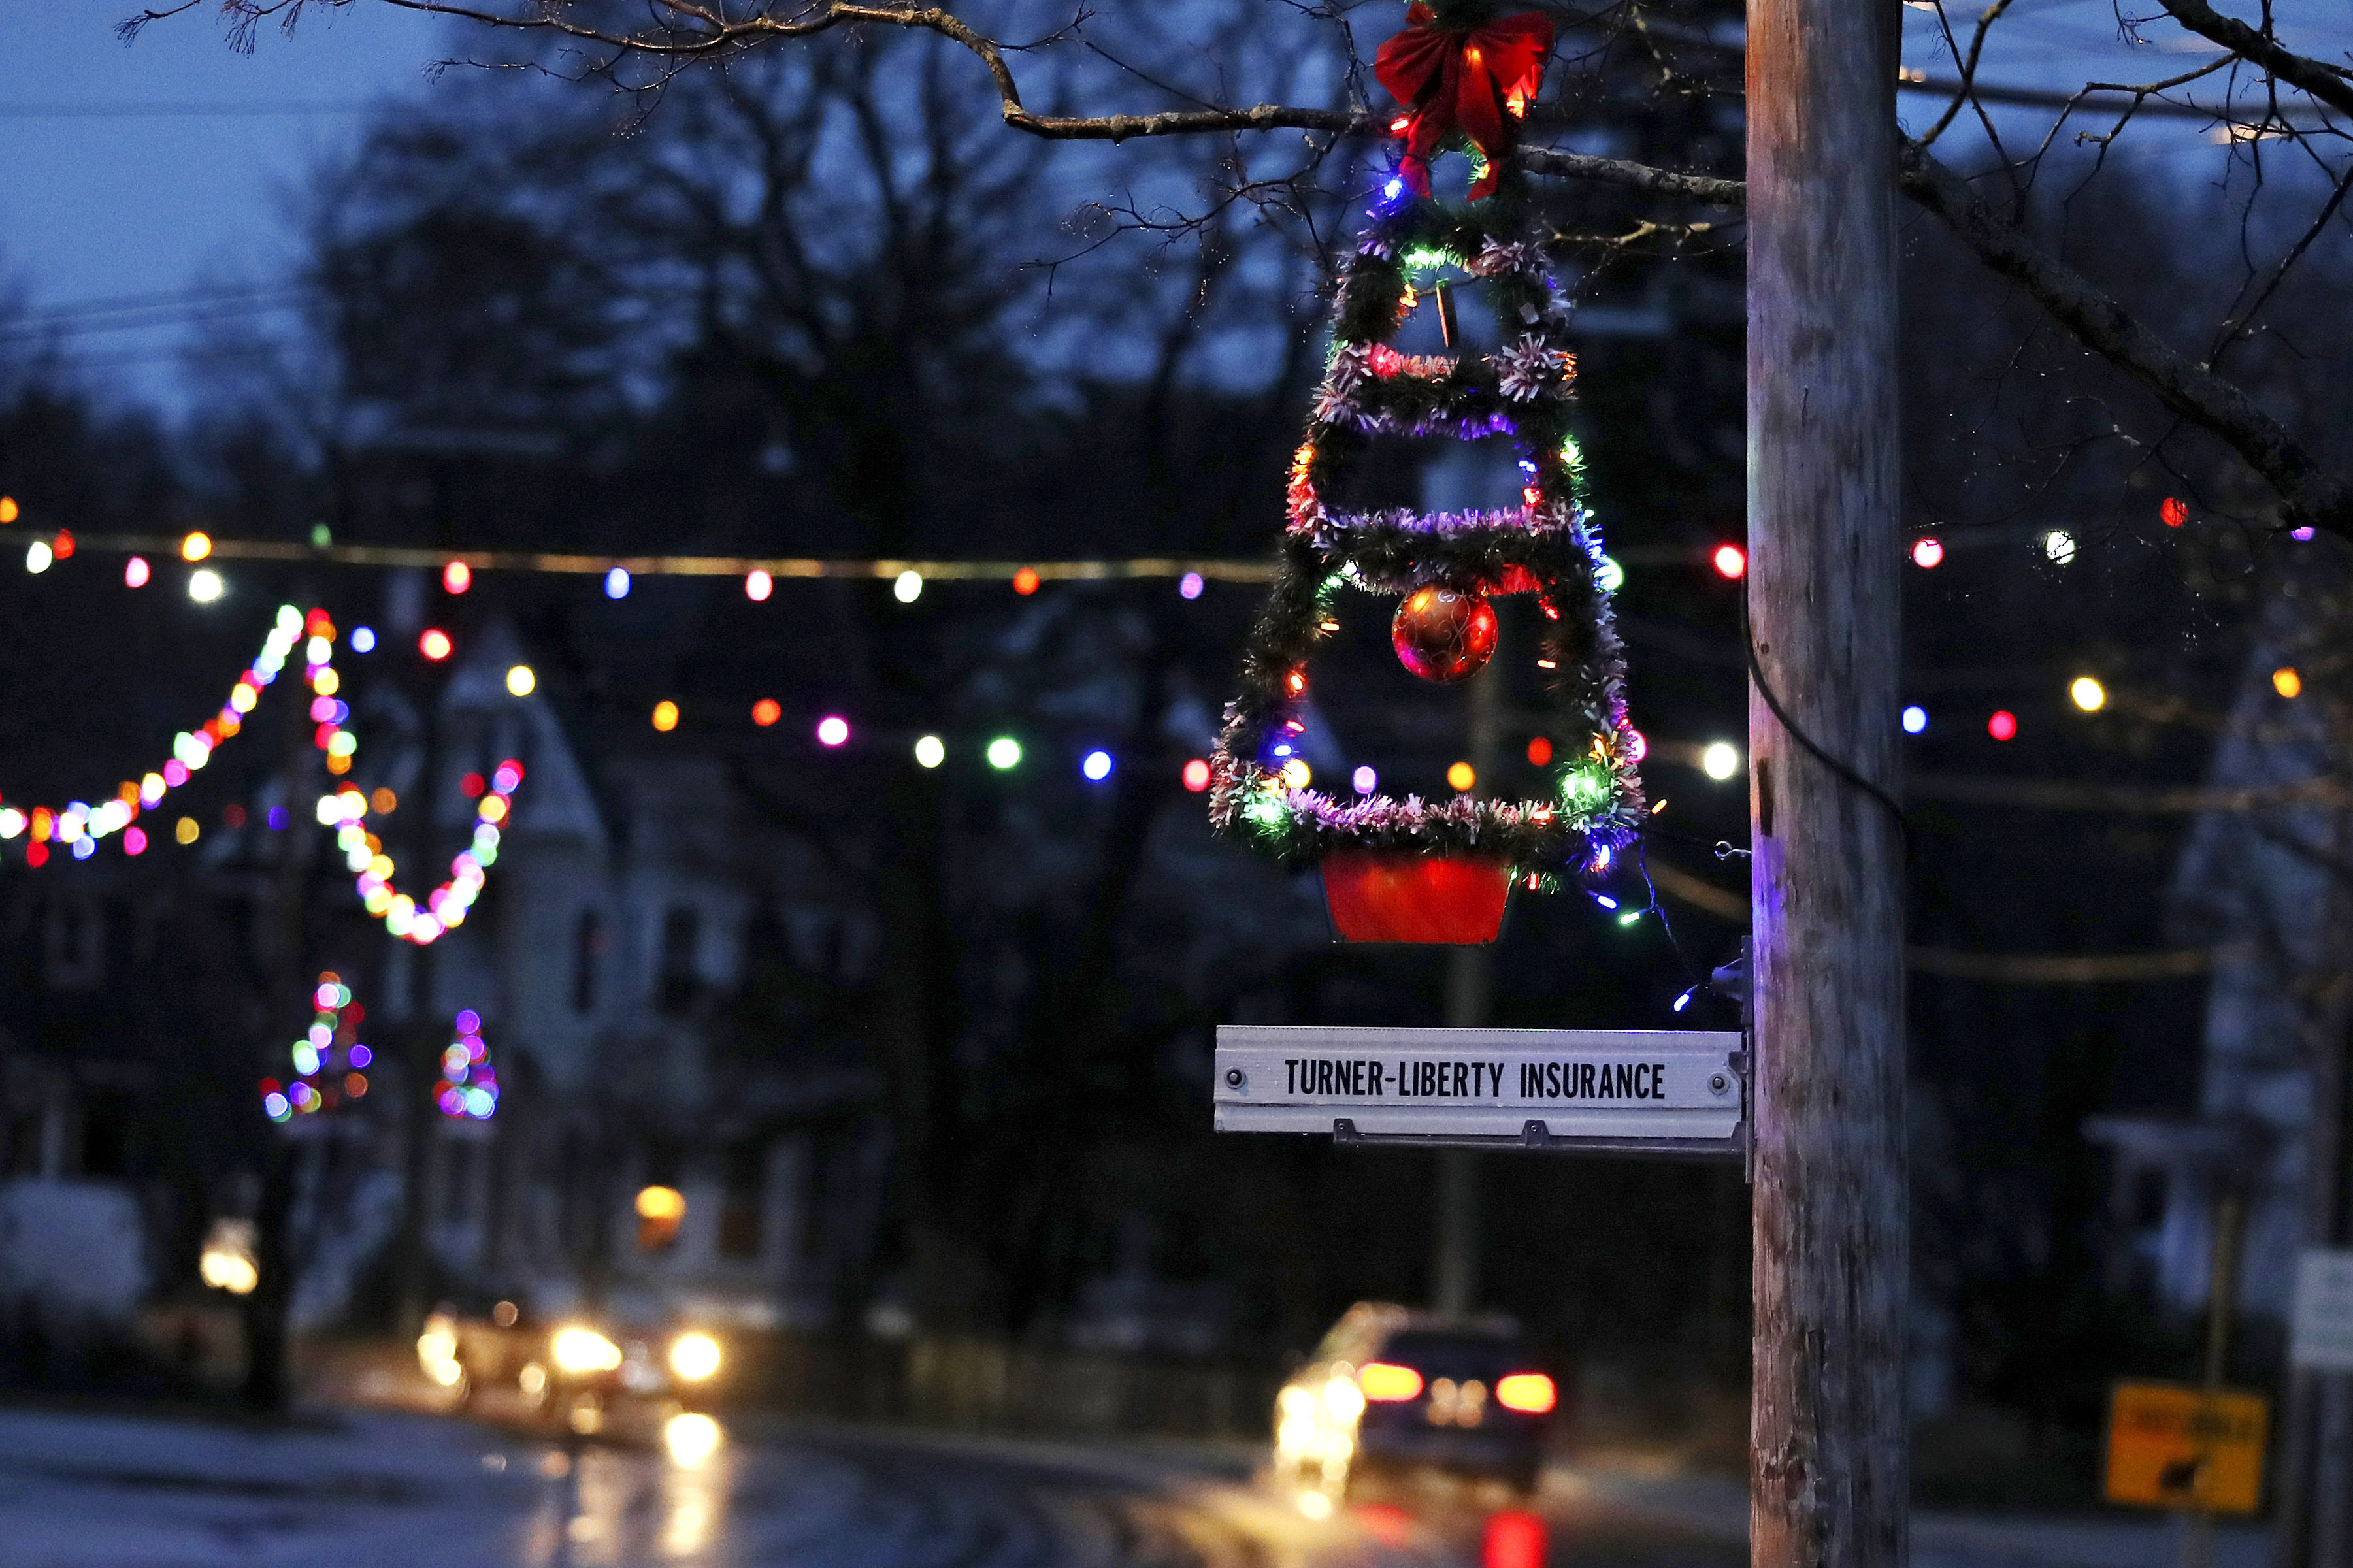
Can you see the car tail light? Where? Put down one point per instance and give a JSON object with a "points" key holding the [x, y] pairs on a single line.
{"points": [[1388, 1383], [1529, 1393]]}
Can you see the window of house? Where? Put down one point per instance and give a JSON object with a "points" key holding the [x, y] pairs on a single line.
{"points": [[72, 944], [588, 948], [682, 926], [106, 1135]]}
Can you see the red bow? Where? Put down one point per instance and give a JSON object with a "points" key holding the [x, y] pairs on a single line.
{"points": [[1467, 79]]}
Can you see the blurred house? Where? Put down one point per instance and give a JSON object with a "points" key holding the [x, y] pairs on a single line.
{"points": [[2259, 883], [639, 917]]}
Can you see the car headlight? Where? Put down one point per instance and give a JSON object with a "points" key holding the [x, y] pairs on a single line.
{"points": [[694, 1356], [584, 1349]]}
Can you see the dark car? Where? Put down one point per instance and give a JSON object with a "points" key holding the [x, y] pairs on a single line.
{"points": [[1391, 1391], [573, 1369]]}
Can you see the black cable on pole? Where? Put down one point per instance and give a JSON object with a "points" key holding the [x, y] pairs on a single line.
{"points": [[1798, 733]]}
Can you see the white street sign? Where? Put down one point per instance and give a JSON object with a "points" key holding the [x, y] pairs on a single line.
{"points": [[1653, 1091], [2320, 1332]]}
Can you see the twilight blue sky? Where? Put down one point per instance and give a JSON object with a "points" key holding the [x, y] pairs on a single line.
{"points": [[101, 205], [108, 201]]}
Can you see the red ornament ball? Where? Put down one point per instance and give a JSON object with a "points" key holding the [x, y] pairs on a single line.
{"points": [[1444, 634]]}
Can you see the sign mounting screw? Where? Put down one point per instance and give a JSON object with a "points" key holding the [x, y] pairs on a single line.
{"points": [[1234, 1077], [1718, 1083]]}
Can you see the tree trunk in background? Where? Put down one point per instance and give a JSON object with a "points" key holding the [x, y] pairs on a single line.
{"points": [[265, 1306], [1828, 1473]]}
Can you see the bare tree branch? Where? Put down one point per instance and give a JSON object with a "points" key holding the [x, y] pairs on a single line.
{"points": [[2310, 494], [2332, 85]]}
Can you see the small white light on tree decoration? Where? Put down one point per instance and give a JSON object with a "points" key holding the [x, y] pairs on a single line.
{"points": [[1720, 761], [2059, 546], [205, 585], [930, 752], [908, 588]]}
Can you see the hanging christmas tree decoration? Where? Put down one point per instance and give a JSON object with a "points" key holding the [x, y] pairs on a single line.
{"points": [[470, 1084], [1407, 869], [329, 1061]]}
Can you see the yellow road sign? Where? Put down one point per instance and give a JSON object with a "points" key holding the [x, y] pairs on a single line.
{"points": [[2173, 1445]]}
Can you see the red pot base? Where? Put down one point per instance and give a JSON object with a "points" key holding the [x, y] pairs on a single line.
{"points": [[1395, 895]]}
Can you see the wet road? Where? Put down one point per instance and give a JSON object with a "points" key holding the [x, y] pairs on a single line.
{"points": [[382, 1489], [360, 1490]]}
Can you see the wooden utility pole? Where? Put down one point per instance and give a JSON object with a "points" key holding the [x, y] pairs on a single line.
{"points": [[1828, 1471]]}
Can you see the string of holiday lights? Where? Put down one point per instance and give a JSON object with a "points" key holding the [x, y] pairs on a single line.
{"points": [[444, 909], [80, 824]]}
